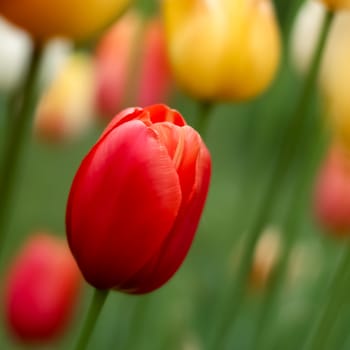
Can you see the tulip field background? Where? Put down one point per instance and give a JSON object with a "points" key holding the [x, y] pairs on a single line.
{"points": [[243, 139]]}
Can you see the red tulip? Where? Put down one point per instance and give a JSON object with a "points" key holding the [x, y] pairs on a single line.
{"points": [[136, 200], [332, 193], [131, 56], [42, 289]]}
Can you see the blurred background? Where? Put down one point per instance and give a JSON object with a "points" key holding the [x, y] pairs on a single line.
{"points": [[243, 139]]}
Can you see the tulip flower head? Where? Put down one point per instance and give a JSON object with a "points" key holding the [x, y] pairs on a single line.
{"points": [[15, 47], [136, 200], [334, 76], [335, 79], [332, 193], [308, 22], [119, 72], [76, 19], [41, 290], [222, 50], [66, 109], [337, 4]]}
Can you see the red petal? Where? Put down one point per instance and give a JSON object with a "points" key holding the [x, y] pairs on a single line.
{"points": [[194, 177], [162, 113]]}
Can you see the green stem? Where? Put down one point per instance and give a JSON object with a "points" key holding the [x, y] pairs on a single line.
{"points": [[15, 141], [291, 227], [337, 296], [137, 323], [289, 18], [203, 117], [286, 153], [98, 299]]}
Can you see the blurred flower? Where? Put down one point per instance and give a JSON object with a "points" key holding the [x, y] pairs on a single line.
{"points": [[15, 48], [335, 79], [305, 264], [332, 192], [54, 58], [136, 200], [76, 19], [131, 57], [222, 50], [308, 24], [337, 4], [335, 71], [42, 289], [266, 256], [66, 110]]}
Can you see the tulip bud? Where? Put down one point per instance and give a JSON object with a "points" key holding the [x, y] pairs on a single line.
{"points": [[76, 19], [66, 109], [337, 4], [222, 50], [136, 200], [265, 258], [15, 47], [42, 289], [332, 192], [131, 51]]}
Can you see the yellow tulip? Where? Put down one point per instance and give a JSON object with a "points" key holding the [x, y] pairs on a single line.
{"points": [[224, 49], [337, 4], [77, 19], [335, 78], [66, 109]]}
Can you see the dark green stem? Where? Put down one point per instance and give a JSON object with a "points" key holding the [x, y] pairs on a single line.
{"points": [[336, 297], [203, 117], [286, 154], [137, 323], [16, 138], [289, 18], [98, 299], [291, 227]]}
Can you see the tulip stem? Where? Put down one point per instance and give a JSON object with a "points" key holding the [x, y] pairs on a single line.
{"points": [[290, 228], [336, 297], [16, 137], [98, 299], [285, 156], [203, 117]]}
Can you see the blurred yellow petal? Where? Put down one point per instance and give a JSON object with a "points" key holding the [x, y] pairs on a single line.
{"points": [[222, 50], [66, 110], [337, 4], [76, 19]]}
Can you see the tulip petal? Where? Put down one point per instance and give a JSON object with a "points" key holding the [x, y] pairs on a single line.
{"points": [[127, 186], [161, 113], [194, 173]]}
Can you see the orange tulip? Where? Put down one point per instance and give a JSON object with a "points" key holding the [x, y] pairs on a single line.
{"points": [[76, 19], [337, 4]]}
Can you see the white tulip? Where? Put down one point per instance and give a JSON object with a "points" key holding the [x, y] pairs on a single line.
{"points": [[15, 49]]}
